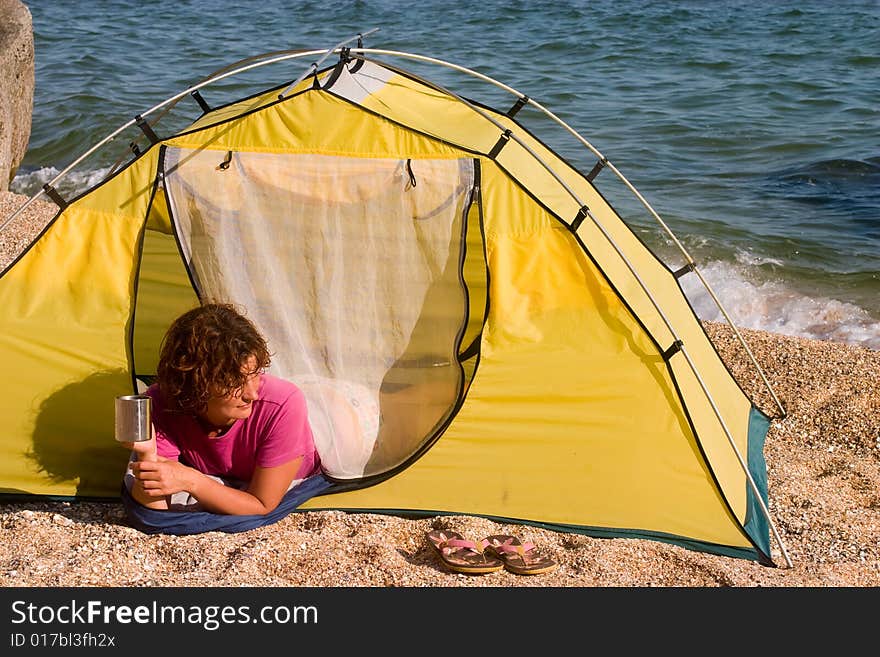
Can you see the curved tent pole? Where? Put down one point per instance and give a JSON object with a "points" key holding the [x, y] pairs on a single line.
{"points": [[295, 55], [210, 78], [173, 99], [523, 98], [688, 259], [626, 261], [125, 126]]}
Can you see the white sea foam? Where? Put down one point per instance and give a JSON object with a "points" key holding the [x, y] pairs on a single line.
{"points": [[774, 306], [73, 183], [750, 259]]}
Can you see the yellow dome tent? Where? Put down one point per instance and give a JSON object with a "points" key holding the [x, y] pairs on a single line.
{"points": [[476, 329]]}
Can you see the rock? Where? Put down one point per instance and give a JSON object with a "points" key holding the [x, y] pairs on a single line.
{"points": [[16, 86]]}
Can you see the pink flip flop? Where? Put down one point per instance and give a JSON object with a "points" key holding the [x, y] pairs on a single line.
{"points": [[461, 555], [520, 558]]}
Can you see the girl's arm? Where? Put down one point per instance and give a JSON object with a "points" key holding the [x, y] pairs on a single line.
{"points": [[163, 477], [145, 451]]}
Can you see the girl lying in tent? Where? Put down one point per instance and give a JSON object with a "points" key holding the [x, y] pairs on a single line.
{"points": [[232, 447]]}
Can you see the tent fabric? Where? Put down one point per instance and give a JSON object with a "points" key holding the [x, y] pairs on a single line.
{"points": [[468, 347], [153, 521]]}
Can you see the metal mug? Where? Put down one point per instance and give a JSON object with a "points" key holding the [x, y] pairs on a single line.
{"points": [[133, 418]]}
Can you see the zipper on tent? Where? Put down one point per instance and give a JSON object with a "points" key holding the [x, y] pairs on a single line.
{"points": [[226, 162], [412, 176]]}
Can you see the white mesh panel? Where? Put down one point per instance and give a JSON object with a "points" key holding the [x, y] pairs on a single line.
{"points": [[352, 274]]}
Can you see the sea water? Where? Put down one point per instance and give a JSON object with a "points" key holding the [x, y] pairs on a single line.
{"points": [[752, 129]]}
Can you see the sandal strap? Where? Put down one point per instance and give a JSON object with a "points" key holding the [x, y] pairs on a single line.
{"points": [[455, 544], [507, 546]]}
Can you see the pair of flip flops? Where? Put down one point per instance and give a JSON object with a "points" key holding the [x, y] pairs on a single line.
{"points": [[489, 554]]}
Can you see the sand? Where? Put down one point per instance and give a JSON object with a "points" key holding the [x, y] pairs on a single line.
{"points": [[823, 461]]}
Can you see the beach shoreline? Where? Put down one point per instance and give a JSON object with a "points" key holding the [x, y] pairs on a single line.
{"points": [[823, 462]]}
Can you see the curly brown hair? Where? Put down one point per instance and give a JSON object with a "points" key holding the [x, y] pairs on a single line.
{"points": [[202, 356]]}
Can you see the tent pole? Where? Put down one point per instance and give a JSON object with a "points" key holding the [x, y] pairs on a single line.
{"points": [[688, 259], [691, 364], [626, 182], [294, 55], [128, 124], [174, 99], [645, 289], [739, 457]]}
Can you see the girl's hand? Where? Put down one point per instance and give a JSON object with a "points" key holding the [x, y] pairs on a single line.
{"points": [[161, 477]]}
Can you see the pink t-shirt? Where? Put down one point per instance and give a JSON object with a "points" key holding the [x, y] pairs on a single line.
{"points": [[277, 431]]}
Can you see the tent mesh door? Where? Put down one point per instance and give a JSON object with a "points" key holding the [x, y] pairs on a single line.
{"points": [[351, 267]]}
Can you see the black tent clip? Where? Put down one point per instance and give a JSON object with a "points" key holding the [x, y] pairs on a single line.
{"points": [[689, 267], [360, 60], [52, 193], [505, 137], [674, 349], [597, 168], [517, 106], [582, 214], [201, 101], [146, 129]]}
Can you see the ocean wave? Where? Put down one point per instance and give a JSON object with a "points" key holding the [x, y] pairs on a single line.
{"points": [[73, 184], [840, 179], [776, 307], [844, 192]]}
